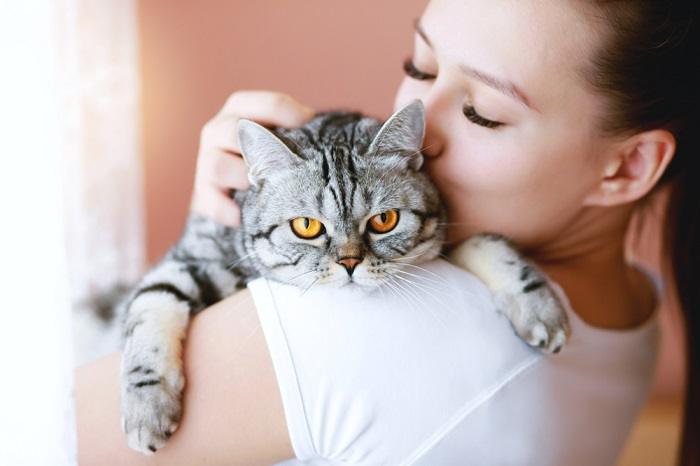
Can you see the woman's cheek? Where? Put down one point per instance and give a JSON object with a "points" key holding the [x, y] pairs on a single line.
{"points": [[481, 166]]}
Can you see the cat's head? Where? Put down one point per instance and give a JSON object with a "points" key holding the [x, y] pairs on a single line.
{"points": [[341, 200]]}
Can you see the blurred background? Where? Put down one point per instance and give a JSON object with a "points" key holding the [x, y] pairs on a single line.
{"points": [[131, 83]]}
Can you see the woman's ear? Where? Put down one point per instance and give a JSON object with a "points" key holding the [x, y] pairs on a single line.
{"points": [[633, 168]]}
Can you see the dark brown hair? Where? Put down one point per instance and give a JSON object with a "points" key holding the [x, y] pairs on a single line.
{"points": [[647, 72]]}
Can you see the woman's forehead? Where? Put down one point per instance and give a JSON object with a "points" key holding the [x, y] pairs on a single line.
{"points": [[541, 46]]}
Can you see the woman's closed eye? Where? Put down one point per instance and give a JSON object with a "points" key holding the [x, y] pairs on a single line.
{"points": [[412, 72], [471, 114], [469, 111]]}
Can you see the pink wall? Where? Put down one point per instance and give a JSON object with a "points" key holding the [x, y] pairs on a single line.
{"points": [[327, 54]]}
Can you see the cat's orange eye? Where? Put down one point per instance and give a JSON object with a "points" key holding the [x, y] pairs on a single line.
{"points": [[307, 228], [384, 222]]}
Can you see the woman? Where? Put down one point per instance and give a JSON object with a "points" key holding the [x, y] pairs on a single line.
{"points": [[548, 122]]}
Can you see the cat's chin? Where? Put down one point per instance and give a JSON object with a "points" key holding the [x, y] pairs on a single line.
{"points": [[364, 285]]}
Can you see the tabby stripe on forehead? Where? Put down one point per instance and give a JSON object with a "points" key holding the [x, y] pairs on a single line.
{"points": [[352, 191], [352, 135], [340, 181], [312, 140], [327, 123], [335, 197], [351, 166], [324, 169], [319, 200], [337, 121]]}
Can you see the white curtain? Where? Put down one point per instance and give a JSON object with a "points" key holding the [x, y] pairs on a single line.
{"points": [[70, 198], [102, 168]]}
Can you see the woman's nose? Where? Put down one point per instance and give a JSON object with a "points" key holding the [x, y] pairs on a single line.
{"points": [[435, 116]]}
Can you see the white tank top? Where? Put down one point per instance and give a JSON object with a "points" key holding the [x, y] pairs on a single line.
{"points": [[436, 376]]}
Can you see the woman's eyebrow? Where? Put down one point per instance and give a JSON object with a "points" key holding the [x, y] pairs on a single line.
{"points": [[506, 87], [502, 85]]}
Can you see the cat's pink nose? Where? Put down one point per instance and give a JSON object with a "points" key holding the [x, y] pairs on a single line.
{"points": [[349, 263]]}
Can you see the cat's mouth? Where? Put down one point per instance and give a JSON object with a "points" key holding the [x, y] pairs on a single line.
{"points": [[361, 283]]}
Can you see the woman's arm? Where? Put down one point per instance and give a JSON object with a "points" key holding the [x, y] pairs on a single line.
{"points": [[233, 413]]}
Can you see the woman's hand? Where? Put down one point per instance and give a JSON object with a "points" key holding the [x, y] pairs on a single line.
{"points": [[220, 166]]}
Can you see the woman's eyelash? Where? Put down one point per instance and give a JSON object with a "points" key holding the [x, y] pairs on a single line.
{"points": [[413, 72], [470, 113]]}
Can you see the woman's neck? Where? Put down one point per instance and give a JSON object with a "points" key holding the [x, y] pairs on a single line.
{"points": [[589, 263]]}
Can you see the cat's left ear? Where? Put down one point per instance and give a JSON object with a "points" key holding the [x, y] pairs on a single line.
{"points": [[263, 152], [402, 136]]}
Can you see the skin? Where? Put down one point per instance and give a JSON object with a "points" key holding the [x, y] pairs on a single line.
{"points": [[548, 178], [234, 412]]}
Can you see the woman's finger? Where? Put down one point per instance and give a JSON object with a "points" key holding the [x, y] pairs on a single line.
{"points": [[267, 108], [228, 171], [221, 132], [217, 205]]}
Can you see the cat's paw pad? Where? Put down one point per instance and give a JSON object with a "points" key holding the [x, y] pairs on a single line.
{"points": [[538, 317], [151, 409]]}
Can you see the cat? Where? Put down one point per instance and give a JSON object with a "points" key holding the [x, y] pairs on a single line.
{"points": [[338, 202]]}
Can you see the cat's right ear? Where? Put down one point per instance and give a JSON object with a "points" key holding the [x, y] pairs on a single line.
{"points": [[263, 152], [400, 138]]}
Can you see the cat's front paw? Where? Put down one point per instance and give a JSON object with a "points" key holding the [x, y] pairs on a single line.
{"points": [[537, 315], [151, 406]]}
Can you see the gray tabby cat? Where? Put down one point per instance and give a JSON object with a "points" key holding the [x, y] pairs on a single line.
{"points": [[339, 201]]}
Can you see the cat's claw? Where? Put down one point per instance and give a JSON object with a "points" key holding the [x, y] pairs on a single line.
{"points": [[151, 412], [538, 317]]}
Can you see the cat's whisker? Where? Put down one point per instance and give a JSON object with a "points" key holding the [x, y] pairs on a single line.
{"points": [[239, 260], [420, 268], [413, 256], [424, 148], [397, 291], [434, 293], [408, 287], [417, 302], [426, 306], [381, 289], [421, 277], [301, 275], [409, 300], [447, 224], [309, 287], [414, 281]]}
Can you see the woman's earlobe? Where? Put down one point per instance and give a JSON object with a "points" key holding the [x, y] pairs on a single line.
{"points": [[634, 170]]}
